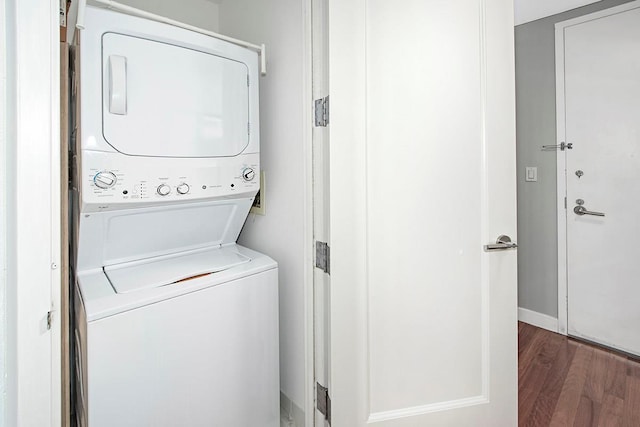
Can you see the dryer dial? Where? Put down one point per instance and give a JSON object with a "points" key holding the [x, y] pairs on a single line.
{"points": [[163, 190], [105, 179], [248, 174], [183, 188]]}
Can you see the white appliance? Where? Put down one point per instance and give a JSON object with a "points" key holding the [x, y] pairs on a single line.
{"points": [[176, 324]]}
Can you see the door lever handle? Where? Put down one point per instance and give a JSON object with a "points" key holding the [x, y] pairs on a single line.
{"points": [[502, 243], [581, 210]]}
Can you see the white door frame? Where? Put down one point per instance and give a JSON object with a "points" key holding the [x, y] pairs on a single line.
{"points": [[320, 147], [561, 171], [33, 213], [309, 213]]}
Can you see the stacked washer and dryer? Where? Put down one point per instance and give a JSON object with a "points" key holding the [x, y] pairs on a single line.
{"points": [[175, 324]]}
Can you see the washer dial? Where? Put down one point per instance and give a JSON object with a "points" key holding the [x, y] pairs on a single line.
{"points": [[105, 179], [163, 190]]}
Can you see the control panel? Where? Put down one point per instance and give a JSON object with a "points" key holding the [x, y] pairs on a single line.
{"points": [[157, 180]]}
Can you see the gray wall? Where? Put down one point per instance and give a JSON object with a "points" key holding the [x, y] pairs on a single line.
{"points": [[536, 126]]}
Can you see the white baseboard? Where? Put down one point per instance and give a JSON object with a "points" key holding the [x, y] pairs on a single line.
{"points": [[538, 319], [291, 415]]}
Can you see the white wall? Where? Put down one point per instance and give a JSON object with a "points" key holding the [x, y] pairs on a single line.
{"points": [[280, 24], [201, 13]]}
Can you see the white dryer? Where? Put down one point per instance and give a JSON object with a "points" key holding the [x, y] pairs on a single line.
{"points": [[175, 324]]}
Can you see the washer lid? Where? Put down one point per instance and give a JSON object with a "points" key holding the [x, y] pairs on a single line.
{"points": [[170, 269], [164, 100]]}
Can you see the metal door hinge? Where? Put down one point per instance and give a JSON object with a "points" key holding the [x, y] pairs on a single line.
{"points": [[323, 402], [323, 257], [322, 111], [49, 320]]}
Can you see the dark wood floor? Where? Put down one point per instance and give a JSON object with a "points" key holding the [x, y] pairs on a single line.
{"points": [[564, 382]]}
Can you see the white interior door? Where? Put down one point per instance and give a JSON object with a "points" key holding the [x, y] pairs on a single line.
{"points": [[422, 176], [602, 121]]}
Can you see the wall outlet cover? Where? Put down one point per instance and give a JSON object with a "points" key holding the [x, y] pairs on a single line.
{"points": [[258, 206]]}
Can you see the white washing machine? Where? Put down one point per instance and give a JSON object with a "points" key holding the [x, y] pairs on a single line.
{"points": [[175, 324]]}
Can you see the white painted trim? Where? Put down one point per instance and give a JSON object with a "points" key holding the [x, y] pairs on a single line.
{"points": [[561, 185], [420, 410], [291, 415], [34, 201], [55, 220], [307, 100], [563, 319], [540, 320]]}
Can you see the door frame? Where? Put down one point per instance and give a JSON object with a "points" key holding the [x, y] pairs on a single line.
{"points": [[561, 168], [309, 213], [320, 192], [33, 358]]}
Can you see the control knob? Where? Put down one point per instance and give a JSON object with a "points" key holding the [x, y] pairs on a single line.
{"points": [[183, 188], [248, 174], [105, 179], [163, 190]]}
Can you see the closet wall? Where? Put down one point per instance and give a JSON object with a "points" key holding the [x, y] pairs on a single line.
{"points": [[201, 13], [280, 24]]}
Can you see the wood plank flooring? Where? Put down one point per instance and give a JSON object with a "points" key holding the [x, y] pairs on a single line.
{"points": [[564, 382]]}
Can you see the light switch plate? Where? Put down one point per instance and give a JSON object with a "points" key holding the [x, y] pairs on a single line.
{"points": [[531, 174]]}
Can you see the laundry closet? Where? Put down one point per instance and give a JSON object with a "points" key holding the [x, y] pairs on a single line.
{"points": [[123, 253], [423, 282]]}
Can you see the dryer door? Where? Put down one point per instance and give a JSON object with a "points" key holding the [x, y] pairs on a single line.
{"points": [[164, 100]]}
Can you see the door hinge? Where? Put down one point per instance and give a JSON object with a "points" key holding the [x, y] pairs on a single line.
{"points": [[49, 320], [322, 111], [565, 202], [323, 401], [323, 257]]}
